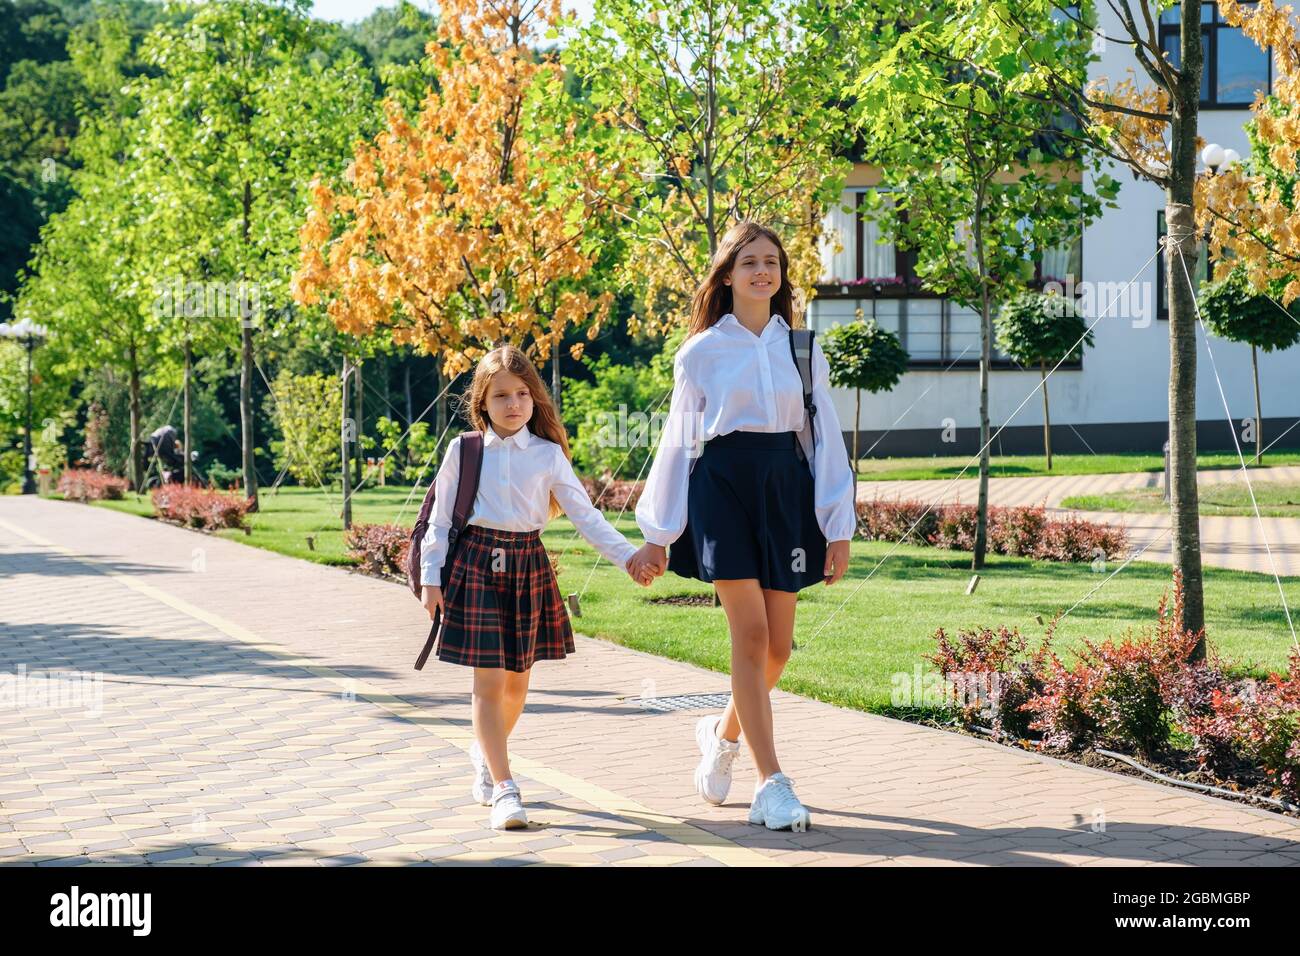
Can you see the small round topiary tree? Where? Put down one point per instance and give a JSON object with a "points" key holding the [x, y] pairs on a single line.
{"points": [[863, 355], [1036, 328], [1232, 310]]}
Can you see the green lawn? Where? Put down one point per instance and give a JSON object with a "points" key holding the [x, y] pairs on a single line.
{"points": [[886, 625], [1275, 499], [1028, 466]]}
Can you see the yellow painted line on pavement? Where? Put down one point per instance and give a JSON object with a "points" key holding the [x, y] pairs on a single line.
{"points": [[674, 828]]}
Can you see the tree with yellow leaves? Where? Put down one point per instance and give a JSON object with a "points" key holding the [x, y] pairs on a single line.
{"points": [[1251, 209], [473, 223]]}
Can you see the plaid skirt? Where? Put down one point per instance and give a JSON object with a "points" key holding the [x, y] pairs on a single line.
{"points": [[502, 604]]}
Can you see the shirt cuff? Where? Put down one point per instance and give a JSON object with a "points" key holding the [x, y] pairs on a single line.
{"points": [[661, 538]]}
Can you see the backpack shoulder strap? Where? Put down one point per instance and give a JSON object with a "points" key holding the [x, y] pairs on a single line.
{"points": [[471, 465], [801, 350]]}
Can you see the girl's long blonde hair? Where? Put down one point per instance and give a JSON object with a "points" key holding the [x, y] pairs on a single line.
{"points": [[545, 420], [713, 298]]}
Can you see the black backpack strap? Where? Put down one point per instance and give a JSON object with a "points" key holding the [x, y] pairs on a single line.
{"points": [[801, 350]]}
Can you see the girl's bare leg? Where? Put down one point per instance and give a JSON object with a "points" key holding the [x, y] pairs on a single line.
{"points": [[491, 714], [780, 640], [516, 695], [750, 638]]}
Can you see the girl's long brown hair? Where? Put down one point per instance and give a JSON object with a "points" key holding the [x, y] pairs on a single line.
{"points": [[713, 298], [545, 420]]}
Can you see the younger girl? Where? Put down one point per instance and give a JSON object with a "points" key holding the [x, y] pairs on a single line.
{"points": [[745, 511], [500, 602]]}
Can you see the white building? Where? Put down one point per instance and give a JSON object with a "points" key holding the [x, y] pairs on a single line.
{"points": [[1116, 399]]}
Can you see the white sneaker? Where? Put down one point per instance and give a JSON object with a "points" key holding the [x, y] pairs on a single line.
{"points": [[776, 807], [713, 772], [482, 788], [507, 807]]}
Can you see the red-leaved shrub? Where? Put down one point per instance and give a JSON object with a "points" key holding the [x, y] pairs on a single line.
{"points": [[955, 530], [895, 520], [1259, 720], [989, 679], [1119, 693], [85, 484], [613, 494], [1076, 539], [200, 507], [1020, 532], [380, 548], [1016, 531]]}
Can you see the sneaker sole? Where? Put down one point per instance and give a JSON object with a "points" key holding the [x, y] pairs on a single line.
{"points": [[805, 823], [512, 823]]}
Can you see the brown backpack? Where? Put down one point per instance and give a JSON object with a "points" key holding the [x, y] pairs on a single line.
{"points": [[471, 464]]}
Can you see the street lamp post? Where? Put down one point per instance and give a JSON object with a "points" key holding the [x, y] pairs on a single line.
{"points": [[29, 335]]}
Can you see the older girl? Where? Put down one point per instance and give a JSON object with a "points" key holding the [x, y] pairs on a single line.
{"points": [[731, 494]]}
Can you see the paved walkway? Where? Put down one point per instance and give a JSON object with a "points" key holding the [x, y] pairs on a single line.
{"points": [[1243, 543], [259, 710]]}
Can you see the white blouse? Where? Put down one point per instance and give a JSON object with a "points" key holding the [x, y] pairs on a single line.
{"points": [[728, 379], [518, 476]]}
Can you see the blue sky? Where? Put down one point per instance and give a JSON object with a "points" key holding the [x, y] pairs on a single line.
{"points": [[349, 11]]}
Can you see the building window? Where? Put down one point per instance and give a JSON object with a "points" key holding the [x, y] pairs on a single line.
{"points": [[937, 333], [1203, 272], [861, 255], [1235, 67]]}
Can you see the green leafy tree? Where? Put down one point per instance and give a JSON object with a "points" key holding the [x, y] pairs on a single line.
{"points": [[1042, 329], [982, 182], [306, 411], [720, 111], [1232, 310], [863, 355], [1148, 124], [249, 100], [615, 416], [84, 278]]}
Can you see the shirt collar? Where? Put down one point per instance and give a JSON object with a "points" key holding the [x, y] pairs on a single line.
{"points": [[519, 438], [777, 321]]}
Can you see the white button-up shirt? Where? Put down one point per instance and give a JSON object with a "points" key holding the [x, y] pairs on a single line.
{"points": [[518, 477], [728, 379]]}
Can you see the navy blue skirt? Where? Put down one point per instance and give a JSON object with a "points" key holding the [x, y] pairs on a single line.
{"points": [[749, 514]]}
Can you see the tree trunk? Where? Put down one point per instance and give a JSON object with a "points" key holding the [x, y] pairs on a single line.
{"points": [[555, 373], [1180, 264], [246, 415], [1184, 500], [857, 427], [1259, 412], [358, 453], [439, 406], [406, 390], [246, 375], [1047, 418], [185, 425], [986, 358], [345, 433], [137, 474]]}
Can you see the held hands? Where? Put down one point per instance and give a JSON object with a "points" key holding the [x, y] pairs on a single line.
{"points": [[649, 562], [837, 560]]}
